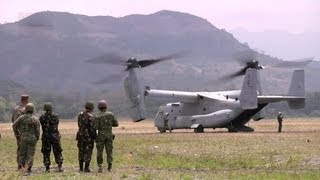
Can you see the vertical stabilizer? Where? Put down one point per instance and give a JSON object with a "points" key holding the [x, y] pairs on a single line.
{"points": [[248, 96], [297, 88], [262, 113], [297, 84]]}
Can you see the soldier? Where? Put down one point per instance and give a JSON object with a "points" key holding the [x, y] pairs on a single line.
{"points": [[166, 123], [18, 111], [27, 130], [104, 122], [85, 137], [50, 137], [280, 119]]}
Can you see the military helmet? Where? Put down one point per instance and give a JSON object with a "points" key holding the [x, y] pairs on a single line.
{"points": [[89, 105], [47, 106], [102, 104], [24, 97], [30, 107]]}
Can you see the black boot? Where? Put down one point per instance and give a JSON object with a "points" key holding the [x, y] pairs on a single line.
{"points": [[60, 168], [109, 167], [29, 170], [100, 168], [86, 168], [47, 168], [80, 165]]}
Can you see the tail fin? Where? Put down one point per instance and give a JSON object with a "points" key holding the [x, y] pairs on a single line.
{"points": [[297, 88], [135, 94], [248, 96], [262, 113]]}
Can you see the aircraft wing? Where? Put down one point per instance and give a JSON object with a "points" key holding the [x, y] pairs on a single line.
{"points": [[172, 96], [211, 96], [182, 96]]}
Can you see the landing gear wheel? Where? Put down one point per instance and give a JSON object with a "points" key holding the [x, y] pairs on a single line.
{"points": [[199, 129]]}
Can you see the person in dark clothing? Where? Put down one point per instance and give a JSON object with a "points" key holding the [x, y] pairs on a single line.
{"points": [[50, 137]]}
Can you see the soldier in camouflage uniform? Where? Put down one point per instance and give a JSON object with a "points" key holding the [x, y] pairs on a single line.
{"points": [[18, 111], [280, 119], [85, 137], [50, 137], [104, 122], [27, 130]]}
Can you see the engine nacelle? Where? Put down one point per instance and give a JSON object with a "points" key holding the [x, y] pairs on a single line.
{"points": [[135, 94]]}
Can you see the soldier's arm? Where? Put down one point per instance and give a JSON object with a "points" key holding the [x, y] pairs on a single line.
{"points": [[114, 121], [37, 128], [41, 120], [95, 122], [15, 127], [91, 122], [79, 117], [56, 122], [14, 115]]}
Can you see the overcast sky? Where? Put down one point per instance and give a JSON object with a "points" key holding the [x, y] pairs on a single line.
{"points": [[254, 15]]}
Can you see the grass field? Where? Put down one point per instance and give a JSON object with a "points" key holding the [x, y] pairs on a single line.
{"points": [[141, 152]]}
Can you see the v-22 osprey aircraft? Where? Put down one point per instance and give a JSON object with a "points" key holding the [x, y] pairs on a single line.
{"points": [[200, 110]]}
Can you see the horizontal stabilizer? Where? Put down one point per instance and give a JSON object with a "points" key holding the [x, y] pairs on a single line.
{"points": [[296, 96]]}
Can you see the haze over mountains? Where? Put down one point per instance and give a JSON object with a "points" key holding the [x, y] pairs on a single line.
{"points": [[282, 44], [46, 51]]}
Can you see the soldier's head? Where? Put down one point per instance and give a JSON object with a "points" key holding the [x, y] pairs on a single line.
{"points": [[102, 105], [166, 114], [30, 108], [47, 106], [89, 106], [279, 113], [24, 99]]}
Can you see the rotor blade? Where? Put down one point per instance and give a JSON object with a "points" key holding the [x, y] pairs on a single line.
{"points": [[243, 57], [298, 63], [233, 75], [113, 78], [107, 58], [148, 62]]}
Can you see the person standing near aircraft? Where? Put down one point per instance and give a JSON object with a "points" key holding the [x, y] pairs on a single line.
{"points": [[18, 111], [85, 136], [27, 130], [103, 123], [280, 119], [50, 137], [166, 123]]}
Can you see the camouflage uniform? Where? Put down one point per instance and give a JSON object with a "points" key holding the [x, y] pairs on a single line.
{"points": [[17, 112], [85, 138], [51, 138], [27, 130], [104, 122]]}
